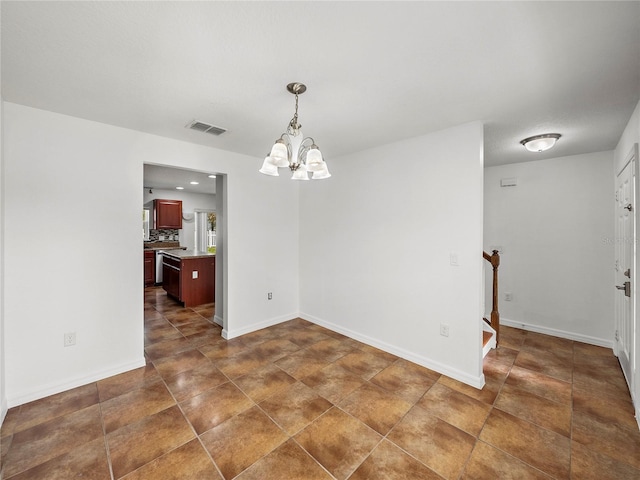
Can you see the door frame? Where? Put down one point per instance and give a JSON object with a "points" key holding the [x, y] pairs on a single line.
{"points": [[634, 380]]}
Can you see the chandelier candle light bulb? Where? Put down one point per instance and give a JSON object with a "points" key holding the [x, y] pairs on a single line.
{"points": [[293, 150]]}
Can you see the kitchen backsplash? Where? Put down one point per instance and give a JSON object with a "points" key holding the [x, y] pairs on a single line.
{"points": [[167, 235]]}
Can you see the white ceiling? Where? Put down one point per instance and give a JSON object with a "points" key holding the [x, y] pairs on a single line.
{"points": [[164, 178], [376, 72]]}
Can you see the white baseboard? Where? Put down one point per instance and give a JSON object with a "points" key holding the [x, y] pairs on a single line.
{"points": [[477, 382], [229, 334], [600, 342], [218, 320], [52, 389]]}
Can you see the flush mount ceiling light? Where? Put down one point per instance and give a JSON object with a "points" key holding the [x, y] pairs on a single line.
{"points": [[292, 150], [540, 143]]}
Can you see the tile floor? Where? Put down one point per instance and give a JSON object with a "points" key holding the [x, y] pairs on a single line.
{"points": [[296, 401]]}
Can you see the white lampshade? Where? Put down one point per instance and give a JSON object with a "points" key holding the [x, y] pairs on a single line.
{"points": [[314, 160], [300, 173], [324, 173], [279, 155], [540, 143], [268, 168]]}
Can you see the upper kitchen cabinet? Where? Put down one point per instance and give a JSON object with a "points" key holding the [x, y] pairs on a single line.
{"points": [[167, 214]]}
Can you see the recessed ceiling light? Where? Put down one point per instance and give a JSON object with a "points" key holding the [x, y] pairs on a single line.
{"points": [[212, 176], [194, 183], [179, 188]]}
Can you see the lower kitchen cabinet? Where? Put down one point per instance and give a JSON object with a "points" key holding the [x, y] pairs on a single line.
{"points": [[149, 268], [192, 281]]}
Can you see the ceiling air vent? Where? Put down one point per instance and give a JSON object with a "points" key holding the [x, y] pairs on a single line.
{"points": [[206, 128]]}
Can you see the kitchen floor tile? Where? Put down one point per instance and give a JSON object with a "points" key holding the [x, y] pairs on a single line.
{"points": [[88, 460], [288, 461], [338, 442], [136, 444], [545, 413], [194, 382], [440, 446], [180, 362], [375, 407], [40, 411], [540, 384], [406, 379], [588, 464], [51, 439], [302, 363], [242, 440], [608, 438], [295, 407], [458, 409], [388, 462], [489, 463], [364, 364], [214, 406], [188, 462], [541, 448], [333, 382], [264, 382], [135, 405], [125, 382]]}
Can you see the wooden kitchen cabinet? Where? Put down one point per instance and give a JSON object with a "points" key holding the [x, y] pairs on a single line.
{"points": [[192, 281], [149, 268], [171, 276], [167, 214]]}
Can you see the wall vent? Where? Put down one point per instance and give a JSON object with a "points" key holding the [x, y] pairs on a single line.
{"points": [[206, 128]]}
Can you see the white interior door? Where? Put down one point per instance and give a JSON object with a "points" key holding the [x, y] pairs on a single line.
{"points": [[625, 274]]}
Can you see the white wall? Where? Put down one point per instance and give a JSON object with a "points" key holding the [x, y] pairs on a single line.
{"points": [[3, 393], [631, 136], [190, 202], [77, 171], [375, 241], [556, 227]]}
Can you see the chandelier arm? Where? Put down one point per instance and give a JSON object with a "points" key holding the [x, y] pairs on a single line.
{"points": [[305, 147]]}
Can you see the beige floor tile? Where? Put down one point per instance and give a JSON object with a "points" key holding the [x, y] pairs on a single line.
{"points": [[376, 407], [543, 449], [545, 413], [242, 440], [442, 447], [139, 443], [338, 442], [295, 407], [458, 409], [489, 463], [388, 462]]}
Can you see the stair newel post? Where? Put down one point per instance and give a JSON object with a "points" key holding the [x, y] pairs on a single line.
{"points": [[495, 315]]}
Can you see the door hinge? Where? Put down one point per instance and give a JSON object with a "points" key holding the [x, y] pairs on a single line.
{"points": [[616, 196], [617, 336]]}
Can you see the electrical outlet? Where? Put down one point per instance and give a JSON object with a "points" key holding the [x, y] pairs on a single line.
{"points": [[444, 330], [69, 339], [269, 296], [194, 274]]}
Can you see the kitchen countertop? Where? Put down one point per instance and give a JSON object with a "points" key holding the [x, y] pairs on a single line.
{"points": [[182, 254], [157, 245]]}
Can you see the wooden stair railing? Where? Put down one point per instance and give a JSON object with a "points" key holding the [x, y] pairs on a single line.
{"points": [[494, 260]]}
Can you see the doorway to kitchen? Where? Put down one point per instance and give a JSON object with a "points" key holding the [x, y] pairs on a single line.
{"points": [[203, 197]]}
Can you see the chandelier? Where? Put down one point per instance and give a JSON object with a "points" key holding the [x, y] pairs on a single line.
{"points": [[293, 150]]}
